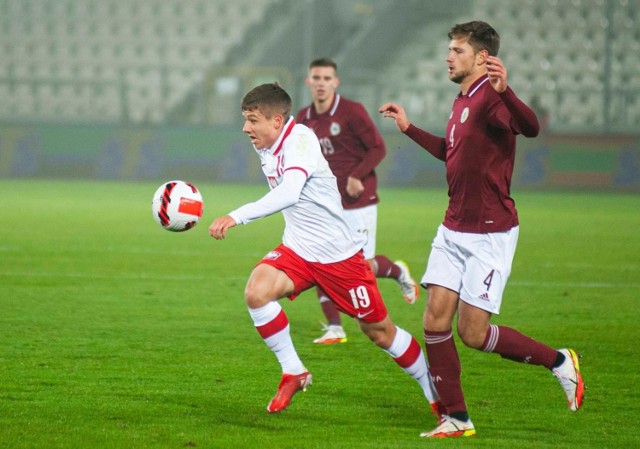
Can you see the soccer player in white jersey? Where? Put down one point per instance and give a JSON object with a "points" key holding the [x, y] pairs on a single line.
{"points": [[318, 247]]}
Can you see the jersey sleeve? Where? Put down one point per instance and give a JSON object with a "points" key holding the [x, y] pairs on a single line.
{"points": [[435, 145], [286, 194], [300, 163], [370, 140], [512, 113]]}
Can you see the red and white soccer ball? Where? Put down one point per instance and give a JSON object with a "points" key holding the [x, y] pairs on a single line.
{"points": [[177, 206]]}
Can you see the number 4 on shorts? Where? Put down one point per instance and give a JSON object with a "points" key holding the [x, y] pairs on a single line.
{"points": [[487, 281]]}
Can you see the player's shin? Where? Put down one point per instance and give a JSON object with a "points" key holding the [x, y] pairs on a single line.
{"points": [[512, 345], [444, 366], [273, 325], [407, 353]]}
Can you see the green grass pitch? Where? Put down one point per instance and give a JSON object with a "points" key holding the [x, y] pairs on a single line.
{"points": [[117, 334]]}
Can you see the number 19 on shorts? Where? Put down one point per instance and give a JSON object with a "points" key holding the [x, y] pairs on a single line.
{"points": [[360, 297]]}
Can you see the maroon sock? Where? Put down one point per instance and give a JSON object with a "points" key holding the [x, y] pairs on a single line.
{"points": [[511, 344], [444, 366], [385, 268], [331, 313]]}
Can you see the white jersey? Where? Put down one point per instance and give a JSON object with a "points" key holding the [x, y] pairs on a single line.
{"points": [[305, 190]]}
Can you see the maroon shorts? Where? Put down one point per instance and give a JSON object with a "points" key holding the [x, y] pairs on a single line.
{"points": [[350, 283]]}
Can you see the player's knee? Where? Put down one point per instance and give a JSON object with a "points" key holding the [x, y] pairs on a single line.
{"points": [[381, 336], [471, 337], [434, 322], [382, 339], [254, 296]]}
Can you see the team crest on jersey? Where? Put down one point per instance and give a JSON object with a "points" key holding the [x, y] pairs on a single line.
{"points": [[334, 129], [272, 255], [465, 115]]}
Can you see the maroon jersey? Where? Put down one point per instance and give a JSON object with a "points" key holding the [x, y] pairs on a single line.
{"points": [[351, 144], [479, 153]]}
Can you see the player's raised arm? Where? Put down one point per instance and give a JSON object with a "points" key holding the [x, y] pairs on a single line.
{"points": [[397, 113], [497, 74]]}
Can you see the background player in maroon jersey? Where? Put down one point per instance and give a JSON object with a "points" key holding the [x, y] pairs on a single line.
{"points": [[353, 147], [472, 252]]}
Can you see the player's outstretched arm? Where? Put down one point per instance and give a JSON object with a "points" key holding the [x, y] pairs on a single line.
{"points": [[397, 113], [430, 142], [219, 227]]}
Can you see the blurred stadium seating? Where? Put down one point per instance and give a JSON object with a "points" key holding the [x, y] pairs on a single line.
{"points": [[580, 58], [106, 61], [146, 61]]}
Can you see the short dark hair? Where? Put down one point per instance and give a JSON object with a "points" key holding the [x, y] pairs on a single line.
{"points": [[270, 99], [323, 62], [481, 36]]}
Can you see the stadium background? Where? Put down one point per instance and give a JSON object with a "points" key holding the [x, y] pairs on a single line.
{"points": [[150, 89]]}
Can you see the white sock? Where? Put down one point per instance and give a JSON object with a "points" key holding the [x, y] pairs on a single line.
{"points": [[417, 368], [273, 326]]}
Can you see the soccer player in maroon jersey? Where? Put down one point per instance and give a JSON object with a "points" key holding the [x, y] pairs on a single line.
{"points": [[472, 252], [353, 147]]}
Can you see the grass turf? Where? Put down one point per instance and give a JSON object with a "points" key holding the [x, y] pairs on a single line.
{"points": [[117, 334]]}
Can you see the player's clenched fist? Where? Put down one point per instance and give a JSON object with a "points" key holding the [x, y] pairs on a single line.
{"points": [[218, 229]]}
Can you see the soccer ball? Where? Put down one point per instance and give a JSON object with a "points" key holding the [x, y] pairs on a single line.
{"points": [[177, 206]]}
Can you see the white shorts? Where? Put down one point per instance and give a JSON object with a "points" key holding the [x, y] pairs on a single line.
{"points": [[364, 220], [476, 266]]}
